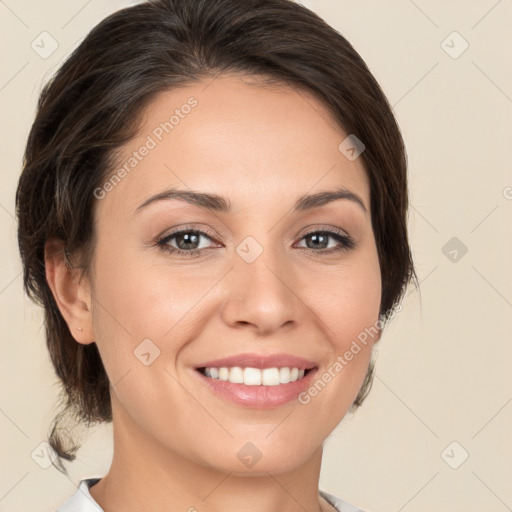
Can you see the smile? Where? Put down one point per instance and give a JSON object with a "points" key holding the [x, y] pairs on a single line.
{"points": [[256, 388], [255, 376]]}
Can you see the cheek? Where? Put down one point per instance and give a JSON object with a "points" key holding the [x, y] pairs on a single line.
{"points": [[348, 299], [347, 303], [125, 308], [139, 298]]}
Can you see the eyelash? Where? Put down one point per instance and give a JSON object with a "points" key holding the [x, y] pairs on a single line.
{"points": [[346, 241]]}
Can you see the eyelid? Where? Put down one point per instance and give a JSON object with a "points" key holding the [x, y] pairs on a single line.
{"points": [[186, 228], [328, 229]]}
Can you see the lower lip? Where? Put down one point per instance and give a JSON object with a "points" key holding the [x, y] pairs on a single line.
{"points": [[258, 397]]}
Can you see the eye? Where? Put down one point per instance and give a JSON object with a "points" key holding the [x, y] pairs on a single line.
{"points": [[188, 242], [320, 241]]}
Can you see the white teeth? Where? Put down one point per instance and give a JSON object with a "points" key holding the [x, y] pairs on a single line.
{"points": [[270, 377], [255, 376], [284, 375], [236, 375], [252, 377]]}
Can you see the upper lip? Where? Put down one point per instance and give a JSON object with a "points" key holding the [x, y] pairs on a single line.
{"points": [[260, 361]]}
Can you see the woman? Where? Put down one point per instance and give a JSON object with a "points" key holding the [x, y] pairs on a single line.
{"points": [[212, 212]]}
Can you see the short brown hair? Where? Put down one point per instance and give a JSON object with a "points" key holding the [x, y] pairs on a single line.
{"points": [[93, 105]]}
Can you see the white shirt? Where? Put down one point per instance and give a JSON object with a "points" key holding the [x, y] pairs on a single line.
{"points": [[82, 501]]}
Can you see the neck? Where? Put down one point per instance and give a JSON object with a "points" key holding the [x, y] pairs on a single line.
{"points": [[144, 475]]}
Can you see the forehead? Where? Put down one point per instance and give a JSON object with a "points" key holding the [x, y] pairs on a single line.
{"points": [[232, 138]]}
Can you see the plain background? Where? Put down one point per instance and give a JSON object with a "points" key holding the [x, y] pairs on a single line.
{"points": [[434, 433]]}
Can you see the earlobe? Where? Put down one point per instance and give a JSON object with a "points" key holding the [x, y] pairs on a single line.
{"points": [[71, 294]]}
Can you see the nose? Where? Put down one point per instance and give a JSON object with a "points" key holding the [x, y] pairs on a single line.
{"points": [[263, 295]]}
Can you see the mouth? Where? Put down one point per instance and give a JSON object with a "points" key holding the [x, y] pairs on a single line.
{"points": [[256, 388], [250, 376], [257, 381]]}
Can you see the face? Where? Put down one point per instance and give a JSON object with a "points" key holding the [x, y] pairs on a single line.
{"points": [[178, 284]]}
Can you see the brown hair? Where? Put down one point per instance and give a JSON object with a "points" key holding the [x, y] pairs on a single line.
{"points": [[93, 105]]}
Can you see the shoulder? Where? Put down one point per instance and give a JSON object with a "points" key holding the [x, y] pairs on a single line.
{"points": [[339, 504], [81, 500]]}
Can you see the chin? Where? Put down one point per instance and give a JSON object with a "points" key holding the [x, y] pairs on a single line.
{"points": [[253, 459]]}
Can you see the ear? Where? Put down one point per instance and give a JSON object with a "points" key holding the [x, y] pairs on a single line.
{"points": [[72, 294]]}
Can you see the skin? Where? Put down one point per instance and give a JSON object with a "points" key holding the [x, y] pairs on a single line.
{"points": [[176, 442]]}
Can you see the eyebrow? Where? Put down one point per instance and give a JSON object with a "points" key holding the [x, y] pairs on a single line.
{"points": [[216, 203]]}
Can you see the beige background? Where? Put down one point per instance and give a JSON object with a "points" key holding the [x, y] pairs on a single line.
{"points": [[443, 368]]}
